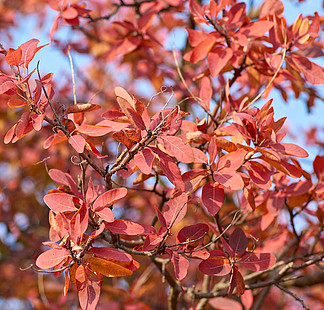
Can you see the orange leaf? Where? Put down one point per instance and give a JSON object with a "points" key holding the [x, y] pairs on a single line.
{"points": [[108, 268]]}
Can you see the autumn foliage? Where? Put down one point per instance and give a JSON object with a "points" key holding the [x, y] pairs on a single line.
{"points": [[157, 176]]}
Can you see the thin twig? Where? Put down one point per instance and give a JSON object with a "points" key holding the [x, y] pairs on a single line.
{"points": [[292, 294], [72, 72]]}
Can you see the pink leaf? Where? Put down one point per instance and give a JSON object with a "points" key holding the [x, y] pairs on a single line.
{"points": [[60, 202], [93, 130], [222, 303], [51, 258], [180, 264], [212, 197], [106, 214], [175, 147], [175, 210], [144, 160], [109, 198], [58, 176], [77, 142]]}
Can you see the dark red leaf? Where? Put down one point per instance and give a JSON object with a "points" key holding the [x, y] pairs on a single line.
{"points": [[217, 264], [238, 241], [257, 261]]}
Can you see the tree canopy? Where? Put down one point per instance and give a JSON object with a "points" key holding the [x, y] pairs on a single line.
{"points": [[156, 175]]}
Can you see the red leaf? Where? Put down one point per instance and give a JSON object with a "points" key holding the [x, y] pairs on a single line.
{"points": [[175, 209], [13, 56], [206, 92], [93, 130], [289, 149], [247, 299], [106, 214], [82, 107], [91, 148], [144, 160], [233, 278], [77, 142], [226, 177], [152, 241], [259, 174], [108, 268], [175, 147], [236, 16], [160, 217], [6, 84], [217, 59], [60, 202], [109, 198], [196, 36], [29, 49], [37, 121], [170, 169], [137, 119], [299, 188], [69, 13], [193, 232], [257, 261], [199, 156], [180, 264], [312, 72], [109, 253], [318, 166], [252, 31], [212, 197], [196, 10], [238, 241], [88, 285], [51, 258], [125, 227], [126, 103], [202, 49], [217, 264], [232, 161], [271, 7], [15, 103], [116, 126], [58, 176]]}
